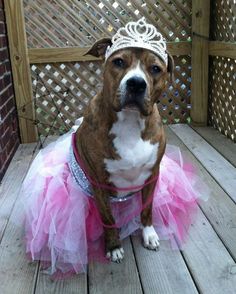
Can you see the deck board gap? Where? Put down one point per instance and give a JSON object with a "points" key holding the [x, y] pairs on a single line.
{"points": [[226, 182], [190, 272], [135, 259], [5, 179], [207, 171], [87, 279], [212, 136], [36, 277], [217, 233]]}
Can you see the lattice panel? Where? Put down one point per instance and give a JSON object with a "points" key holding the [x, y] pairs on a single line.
{"points": [[62, 23], [223, 20], [174, 105], [62, 91], [222, 96]]}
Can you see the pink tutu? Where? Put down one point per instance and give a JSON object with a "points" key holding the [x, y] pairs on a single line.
{"points": [[63, 228]]}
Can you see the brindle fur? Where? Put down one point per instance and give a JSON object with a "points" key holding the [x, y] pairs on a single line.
{"points": [[93, 141]]}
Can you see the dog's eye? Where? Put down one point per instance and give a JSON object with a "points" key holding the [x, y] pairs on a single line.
{"points": [[119, 62], [155, 69]]}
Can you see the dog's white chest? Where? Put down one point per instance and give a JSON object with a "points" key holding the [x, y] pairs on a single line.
{"points": [[137, 156]]}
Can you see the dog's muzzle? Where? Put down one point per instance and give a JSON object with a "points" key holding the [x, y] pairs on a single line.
{"points": [[135, 89]]}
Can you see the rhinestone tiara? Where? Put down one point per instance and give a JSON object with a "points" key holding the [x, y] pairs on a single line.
{"points": [[139, 35]]}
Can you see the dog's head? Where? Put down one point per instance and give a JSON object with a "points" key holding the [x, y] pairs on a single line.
{"points": [[134, 78]]}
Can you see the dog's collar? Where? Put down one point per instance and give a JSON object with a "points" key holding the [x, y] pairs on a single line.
{"points": [[81, 178]]}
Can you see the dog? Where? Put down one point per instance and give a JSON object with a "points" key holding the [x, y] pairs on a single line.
{"points": [[121, 140]]}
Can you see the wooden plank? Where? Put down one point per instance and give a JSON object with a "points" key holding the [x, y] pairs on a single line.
{"points": [[220, 169], [225, 49], [211, 265], [67, 54], [75, 284], [220, 142], [164, 271], [179, 48], [199, 85], [11, 182], [115, 278], [220, 208], [16, 274], [20, 67]]}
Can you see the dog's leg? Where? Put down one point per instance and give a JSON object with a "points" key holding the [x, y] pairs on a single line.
{"points": [[114, 251], [150, 237]]}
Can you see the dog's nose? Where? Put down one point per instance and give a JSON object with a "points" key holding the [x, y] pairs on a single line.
{"points": [[136, 85]]}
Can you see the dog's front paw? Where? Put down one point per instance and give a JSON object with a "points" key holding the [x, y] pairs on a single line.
{"points": [[150, 238], [116, 255]]}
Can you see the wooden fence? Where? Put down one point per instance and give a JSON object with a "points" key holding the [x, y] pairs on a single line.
{"points": [[54, 81], [222, 75]]}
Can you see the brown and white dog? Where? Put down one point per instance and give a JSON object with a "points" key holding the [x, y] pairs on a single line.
{"points": [[121, 139]]}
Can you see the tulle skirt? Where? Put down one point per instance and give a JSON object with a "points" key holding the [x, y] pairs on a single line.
{"points": [[63, 228]]}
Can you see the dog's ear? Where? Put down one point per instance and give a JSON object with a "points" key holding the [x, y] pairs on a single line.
{"points": [[99, 48], [171, 67]]}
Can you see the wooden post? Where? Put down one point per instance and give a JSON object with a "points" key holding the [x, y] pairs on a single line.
{"points": [[200, 57], [20, 68]]}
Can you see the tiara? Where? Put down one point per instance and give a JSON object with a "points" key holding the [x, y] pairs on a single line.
{"points": [[139, 35]]}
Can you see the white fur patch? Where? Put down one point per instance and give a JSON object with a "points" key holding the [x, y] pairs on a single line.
{"points": [[116, 255], [137, 156], [135, 72], [150, 238]]}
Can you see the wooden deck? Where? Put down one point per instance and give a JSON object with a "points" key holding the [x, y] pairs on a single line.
{"points": [[206, 265]]}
